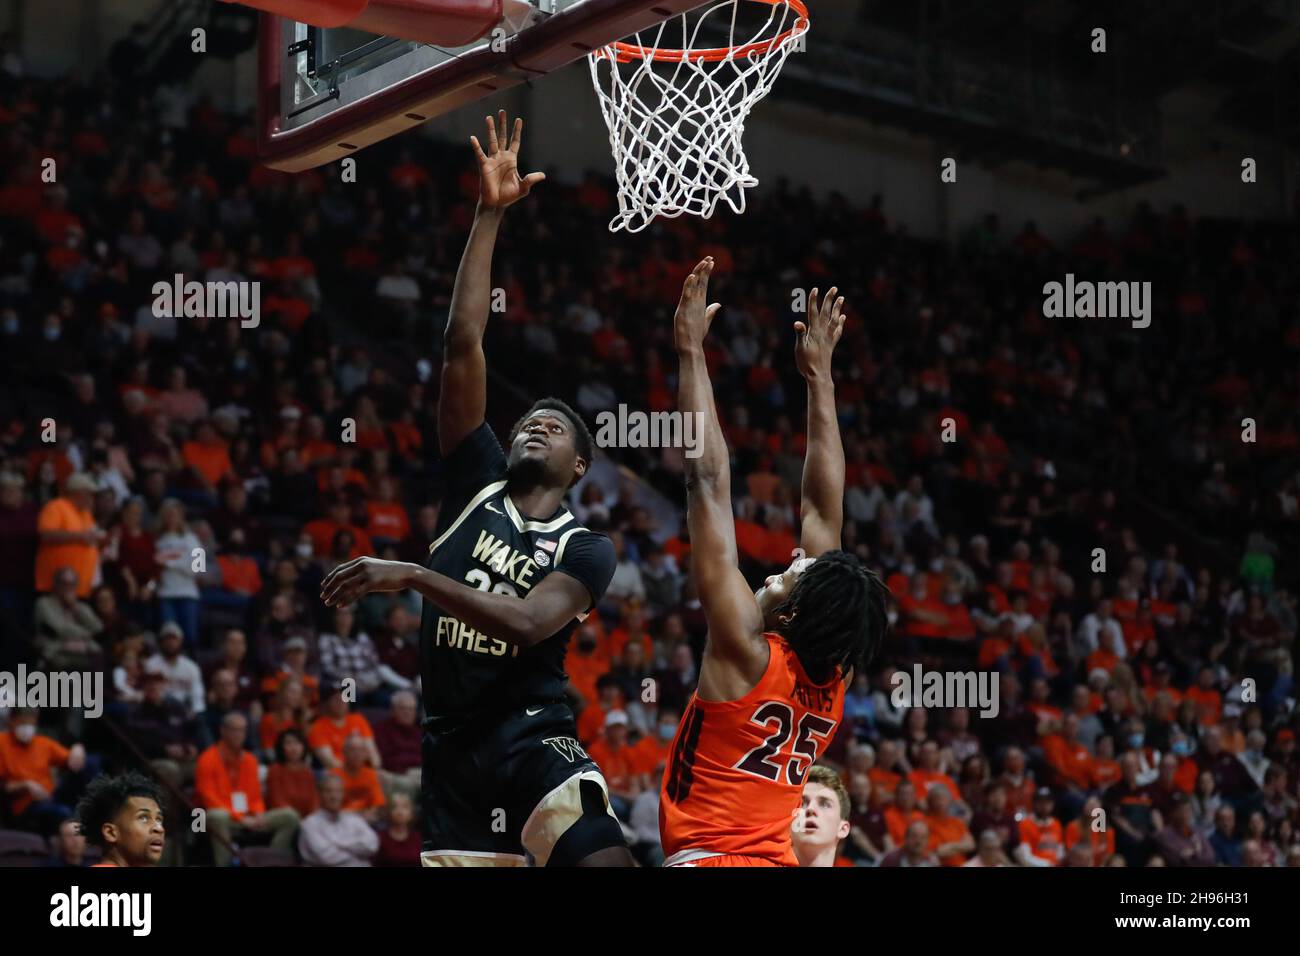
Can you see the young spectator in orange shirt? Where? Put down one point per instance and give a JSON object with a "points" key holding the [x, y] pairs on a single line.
{"points": [[362, 792]]}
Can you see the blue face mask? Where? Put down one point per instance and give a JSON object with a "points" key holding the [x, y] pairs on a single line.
{"points": [[1135, 740], [1181, 747], [666, 731]]}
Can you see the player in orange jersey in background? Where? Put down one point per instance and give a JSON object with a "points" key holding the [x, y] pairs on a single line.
{"points": [[771, 688]]}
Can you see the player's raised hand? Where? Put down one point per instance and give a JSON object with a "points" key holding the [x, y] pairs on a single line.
{"points": [[500, 184], [691, 323], [817, 335], [360, 577]]}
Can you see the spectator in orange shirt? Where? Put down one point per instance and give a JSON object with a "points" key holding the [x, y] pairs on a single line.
{"points": [[334, 726], [586, 664], [1018, 781], [1042, 841], [387, 522], [207, 456], [652, 749], [929, 775], [619, 763], [226, 785], [591, 719], [362, 792], [241, 580], [27, 764], [1206, 697], [1069, 758], [822, 824], [1105, 768], [290, 781], [950, 839], [1090, 827], [632, 628], [880, 770], [339, 518], [69, 537], [903, 812]]}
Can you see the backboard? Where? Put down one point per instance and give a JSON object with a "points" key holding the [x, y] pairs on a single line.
{"points": [[326, 92]]}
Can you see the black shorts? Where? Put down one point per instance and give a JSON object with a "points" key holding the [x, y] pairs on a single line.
{"points": [[511, 789]]}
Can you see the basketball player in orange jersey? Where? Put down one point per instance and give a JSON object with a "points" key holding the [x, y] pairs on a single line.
{"points": [[123, 817], [771, 688]]}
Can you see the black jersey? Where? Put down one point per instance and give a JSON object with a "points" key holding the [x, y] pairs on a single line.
{"points": [[484, 542]]}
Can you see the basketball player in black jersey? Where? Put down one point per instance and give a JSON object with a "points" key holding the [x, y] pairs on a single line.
{"points": [[505, 779]]}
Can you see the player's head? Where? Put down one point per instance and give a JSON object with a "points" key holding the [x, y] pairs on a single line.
{"points": [[123, 817], [830, 610], [823, 819], [550, 445]]}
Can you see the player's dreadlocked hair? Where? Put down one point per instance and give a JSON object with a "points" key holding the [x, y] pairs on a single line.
{"points": [[835, 615], [106, 796], [582, 439]]}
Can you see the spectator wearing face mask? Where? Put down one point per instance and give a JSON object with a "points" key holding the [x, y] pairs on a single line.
{"points": [[652, 749], [28, 761]]}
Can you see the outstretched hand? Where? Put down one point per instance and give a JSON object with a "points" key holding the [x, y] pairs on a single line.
{"points": [[360, 577], [691, 324], [498, 169], [818, 335]]}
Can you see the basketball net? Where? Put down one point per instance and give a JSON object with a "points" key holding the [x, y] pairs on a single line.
{"points": [[676, 116]]}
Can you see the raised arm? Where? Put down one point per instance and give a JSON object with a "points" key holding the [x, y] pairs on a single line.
{"points": [[734, 620], [462, 400], [821, 509]]}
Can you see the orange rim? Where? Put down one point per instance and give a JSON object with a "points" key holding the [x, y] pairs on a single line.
{"points": [[627, 52]]}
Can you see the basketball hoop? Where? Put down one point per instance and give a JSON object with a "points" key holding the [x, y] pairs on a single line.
{"points": [[676, 115]]}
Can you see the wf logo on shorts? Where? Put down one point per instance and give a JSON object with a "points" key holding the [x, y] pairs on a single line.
{"points": [[566, 747]]}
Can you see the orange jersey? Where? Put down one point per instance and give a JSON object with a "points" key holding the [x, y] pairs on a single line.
{"points": [[736, 768]]}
